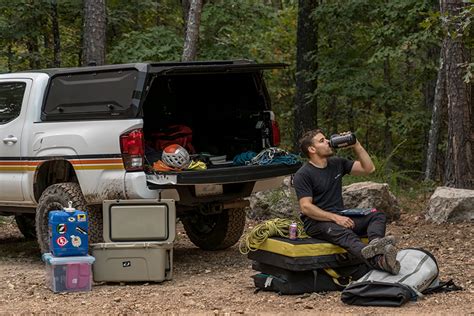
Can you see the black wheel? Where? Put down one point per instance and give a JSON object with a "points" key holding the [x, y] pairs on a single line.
{"points": [[215, 232], [56, 197], [26, 225]]}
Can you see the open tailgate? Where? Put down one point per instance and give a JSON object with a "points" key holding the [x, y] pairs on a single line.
{"points": [[220, 175]]}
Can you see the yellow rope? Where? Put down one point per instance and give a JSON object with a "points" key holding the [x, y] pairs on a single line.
{"points": [[273, 227]]}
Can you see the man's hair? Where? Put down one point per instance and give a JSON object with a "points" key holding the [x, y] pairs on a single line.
{"points": [[307, 140]]}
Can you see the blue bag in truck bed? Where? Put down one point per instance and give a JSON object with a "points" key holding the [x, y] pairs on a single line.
{"points": [[68, 230]]}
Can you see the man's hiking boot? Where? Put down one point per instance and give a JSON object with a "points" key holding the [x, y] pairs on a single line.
{"points": [[388, 261], [377, 246]]}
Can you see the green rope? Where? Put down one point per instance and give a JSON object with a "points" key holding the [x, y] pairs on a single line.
{"points": [[273, 227]]}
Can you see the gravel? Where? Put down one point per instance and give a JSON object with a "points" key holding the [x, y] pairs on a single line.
{"points": [[220, 282]]}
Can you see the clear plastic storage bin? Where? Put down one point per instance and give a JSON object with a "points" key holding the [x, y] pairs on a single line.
{"points": [[68, 274]]}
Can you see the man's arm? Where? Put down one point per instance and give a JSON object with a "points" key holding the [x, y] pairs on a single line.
{"points": [[363, 165], [314, 212]]}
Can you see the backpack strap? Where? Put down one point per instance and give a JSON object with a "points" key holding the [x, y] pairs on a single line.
{"points": [[336, 276], [442, 287]]}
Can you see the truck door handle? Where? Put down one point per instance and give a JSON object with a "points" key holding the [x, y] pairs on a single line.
{"points": [[10, 140]]}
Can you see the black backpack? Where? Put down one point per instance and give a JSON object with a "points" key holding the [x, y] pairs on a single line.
{"points": [[284, 281]]}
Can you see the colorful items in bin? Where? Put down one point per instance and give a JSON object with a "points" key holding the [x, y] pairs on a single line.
{"points": [[68, 231], [68, 274]]}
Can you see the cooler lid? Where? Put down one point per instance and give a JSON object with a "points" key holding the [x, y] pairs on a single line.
{"points": [[139, 220], [132, 245]]}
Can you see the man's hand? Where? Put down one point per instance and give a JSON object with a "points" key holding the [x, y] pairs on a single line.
{"points": [[350, 146], [344, 221]]}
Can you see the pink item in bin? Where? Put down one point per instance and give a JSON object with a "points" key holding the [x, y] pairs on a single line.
{"points": [[78, 276]]}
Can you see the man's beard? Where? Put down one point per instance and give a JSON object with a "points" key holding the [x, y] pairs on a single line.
{"points": [[329, 154]]}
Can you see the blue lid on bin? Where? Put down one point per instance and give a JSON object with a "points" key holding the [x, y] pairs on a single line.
{"points": [[49, 258]]}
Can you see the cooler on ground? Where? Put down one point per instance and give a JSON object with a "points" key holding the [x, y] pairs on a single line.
{"points": [[129, 262], [139, 236]]}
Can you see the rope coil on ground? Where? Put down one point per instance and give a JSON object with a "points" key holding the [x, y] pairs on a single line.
{"points": [[274, 227]]}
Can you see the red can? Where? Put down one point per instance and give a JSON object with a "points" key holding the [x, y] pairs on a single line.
{"points": [[293, 231]]}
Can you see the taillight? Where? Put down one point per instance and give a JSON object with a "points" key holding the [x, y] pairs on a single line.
{"points": [[133, 150], [275, 133]]}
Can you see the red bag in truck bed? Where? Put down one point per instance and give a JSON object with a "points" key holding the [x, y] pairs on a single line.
{"points": [[174, 134]]}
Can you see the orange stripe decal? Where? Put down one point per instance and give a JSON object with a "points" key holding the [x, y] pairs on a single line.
{"points": [[86, 164], [95, 161]]}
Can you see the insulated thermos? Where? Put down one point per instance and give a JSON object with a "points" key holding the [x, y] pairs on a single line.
{"points": [[339, 141]]}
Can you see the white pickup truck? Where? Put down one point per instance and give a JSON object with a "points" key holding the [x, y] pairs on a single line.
{"points": [[79, 134]]}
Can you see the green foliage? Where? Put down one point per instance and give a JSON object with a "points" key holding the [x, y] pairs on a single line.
{"points": [[388, 172], [154, 44], [3, 220], [373, 68], [376, 59]]}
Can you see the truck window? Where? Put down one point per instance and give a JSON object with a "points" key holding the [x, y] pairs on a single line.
{"points": [[11, 97], [106, 94]]}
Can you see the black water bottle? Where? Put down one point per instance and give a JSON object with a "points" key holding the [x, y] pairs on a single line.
{"points": [[339, 141]]}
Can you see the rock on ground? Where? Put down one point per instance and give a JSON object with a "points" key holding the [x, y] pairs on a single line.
{"points": [[451, 205], [282, 202], [371, 194]]}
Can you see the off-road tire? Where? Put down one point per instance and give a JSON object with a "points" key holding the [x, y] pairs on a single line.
{"points": [[26, 225], [215, 232], [56, 197]]}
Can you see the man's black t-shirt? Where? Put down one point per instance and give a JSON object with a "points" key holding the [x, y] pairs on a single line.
{"points": [[324, 185]]}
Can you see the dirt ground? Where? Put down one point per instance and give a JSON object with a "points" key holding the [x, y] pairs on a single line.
{"points": [[219, 282]]}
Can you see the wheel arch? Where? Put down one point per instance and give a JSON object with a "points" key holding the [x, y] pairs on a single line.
{"points": [[51, 172]]}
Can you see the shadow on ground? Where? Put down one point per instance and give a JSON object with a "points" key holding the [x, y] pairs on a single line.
{"points": [[18, 247]]}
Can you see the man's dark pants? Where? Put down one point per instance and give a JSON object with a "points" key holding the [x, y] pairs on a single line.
{"points": [[372, 226]]}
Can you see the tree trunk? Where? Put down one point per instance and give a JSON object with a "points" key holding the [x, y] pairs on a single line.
{"points": [[159, 21], [192, 31], [388, 140], [33, 52], [94, 32], [305, 112], [459, 171], [438, 103], [277, 4], [10, 58], [185, 5], [56, 36], [334, 115], [350, 116]]}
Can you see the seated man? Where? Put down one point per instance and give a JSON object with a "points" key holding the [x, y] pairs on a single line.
{"points": [[318, 186]]}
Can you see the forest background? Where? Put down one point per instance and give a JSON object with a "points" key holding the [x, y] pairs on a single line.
{"points": [[378, 68]]}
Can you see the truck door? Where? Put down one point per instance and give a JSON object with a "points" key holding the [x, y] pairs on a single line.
{"points": [[13, 102]]}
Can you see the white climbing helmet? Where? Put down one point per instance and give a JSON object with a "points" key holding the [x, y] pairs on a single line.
{"points": [[175, 156]]}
